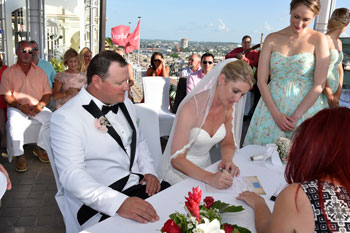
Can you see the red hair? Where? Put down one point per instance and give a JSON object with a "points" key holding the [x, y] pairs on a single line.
{"points": [[321, 148]]}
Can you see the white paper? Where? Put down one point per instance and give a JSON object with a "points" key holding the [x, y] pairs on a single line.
{"points": [[239, 184], [3, 184]]}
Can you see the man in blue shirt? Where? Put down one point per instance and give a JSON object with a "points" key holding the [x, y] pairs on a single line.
{"points": [[45, 65]]}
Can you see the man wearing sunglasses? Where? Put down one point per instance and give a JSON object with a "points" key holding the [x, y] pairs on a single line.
{"points": [[45, 65], [193, 66], [207, 63], [26, 90]]}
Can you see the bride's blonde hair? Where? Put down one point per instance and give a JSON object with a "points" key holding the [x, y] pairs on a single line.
{"points": [[340, 18], [239, 70]]}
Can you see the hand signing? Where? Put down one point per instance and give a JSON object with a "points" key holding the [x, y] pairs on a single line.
{"points": [[152, 184], [139, 210], [230, 167], [220, 180]]}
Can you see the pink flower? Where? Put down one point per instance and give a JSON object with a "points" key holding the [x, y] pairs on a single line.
{"points": [[193, 201], [101, 124], [209, 201]]}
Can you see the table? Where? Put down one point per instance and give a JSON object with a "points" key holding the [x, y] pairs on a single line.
{"points": [[173, 198]]}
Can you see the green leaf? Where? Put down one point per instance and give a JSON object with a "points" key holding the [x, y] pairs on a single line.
{"points": [[240, 229], [232, 209], [219, 205], [224, 207]]}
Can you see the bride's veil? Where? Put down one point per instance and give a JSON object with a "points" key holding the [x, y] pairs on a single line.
{"points": [[193, 112]]}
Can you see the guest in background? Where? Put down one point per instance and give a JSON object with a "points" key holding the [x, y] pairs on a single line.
{"points": [[298, 75], [85, 57], [251, 56], [207, 63], [193, 65], [26, 90], [45, 65], [131, 82], [244, 52], [69, 82], [158, 67], [2, 113], [318, 196], [121, 52], [336, 26]]}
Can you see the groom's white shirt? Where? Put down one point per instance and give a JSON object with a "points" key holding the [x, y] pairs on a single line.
{"points": [[88, 160]]}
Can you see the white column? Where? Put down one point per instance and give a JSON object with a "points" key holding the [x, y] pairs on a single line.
{"points": [[321, 20]]}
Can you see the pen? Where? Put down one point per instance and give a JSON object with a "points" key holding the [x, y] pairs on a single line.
{"points": [[223, 170]]}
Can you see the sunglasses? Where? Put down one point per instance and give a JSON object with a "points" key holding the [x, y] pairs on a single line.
{"points": [[27, 51], [157, 60], [209, 62]]}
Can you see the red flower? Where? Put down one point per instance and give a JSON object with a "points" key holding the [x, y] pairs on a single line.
{"points": [[196, 195], [228, 228], [209, 201], [193, 201], [171, 227]]}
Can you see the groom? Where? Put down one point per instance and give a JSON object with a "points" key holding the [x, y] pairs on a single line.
{"points": [[103, 161]]}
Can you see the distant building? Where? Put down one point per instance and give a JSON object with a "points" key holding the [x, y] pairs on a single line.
{"points": [[184, 43], [55, 25]]}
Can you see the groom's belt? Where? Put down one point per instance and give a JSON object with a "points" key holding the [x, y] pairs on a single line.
{"points": [[85, 212]]}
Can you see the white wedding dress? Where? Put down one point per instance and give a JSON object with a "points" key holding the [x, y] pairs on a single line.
{"points": [[198, 153]]}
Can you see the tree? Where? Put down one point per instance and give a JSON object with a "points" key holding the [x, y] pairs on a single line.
{"points": [[174, 55]]}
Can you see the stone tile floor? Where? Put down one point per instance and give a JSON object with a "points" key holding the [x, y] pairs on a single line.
{"points": [[30, 207]]}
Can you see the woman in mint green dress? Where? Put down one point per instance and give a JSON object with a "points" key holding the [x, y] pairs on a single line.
{"points": [[297, 58], [336, 26]]}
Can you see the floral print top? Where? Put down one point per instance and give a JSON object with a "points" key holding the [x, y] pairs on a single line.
{"points": [[291, 79]]}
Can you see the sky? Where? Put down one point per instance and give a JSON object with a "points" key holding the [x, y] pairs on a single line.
{"points": [[212, 21]]}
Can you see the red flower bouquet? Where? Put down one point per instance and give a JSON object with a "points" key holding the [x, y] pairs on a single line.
{"points": [[205, 218]]}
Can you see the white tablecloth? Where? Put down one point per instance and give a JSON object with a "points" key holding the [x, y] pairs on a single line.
{"points": [[173, 198]]}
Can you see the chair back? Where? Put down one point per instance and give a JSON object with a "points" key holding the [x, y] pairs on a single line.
{"points": [[148, 124], [180, 93], [156, 92], [60, 192]]}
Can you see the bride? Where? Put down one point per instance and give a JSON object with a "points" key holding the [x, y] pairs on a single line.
{"points": [[206, 117]]}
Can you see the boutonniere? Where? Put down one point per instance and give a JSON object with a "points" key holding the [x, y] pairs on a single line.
{"points": [[102, 123]]}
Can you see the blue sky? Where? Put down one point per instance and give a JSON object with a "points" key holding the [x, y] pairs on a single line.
{"points": [[216, 21]]}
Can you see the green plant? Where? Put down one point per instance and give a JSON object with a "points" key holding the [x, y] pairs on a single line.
{"points": [[57, 65]]}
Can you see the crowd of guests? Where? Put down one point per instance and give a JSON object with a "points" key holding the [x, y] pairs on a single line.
{"points": [[32, 90], [103, 160]]}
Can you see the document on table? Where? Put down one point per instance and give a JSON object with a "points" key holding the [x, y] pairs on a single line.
{"points": [[240, 184]]}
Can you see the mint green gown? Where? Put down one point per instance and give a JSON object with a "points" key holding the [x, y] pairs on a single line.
{"points": [[291, 79], [335, 59]]}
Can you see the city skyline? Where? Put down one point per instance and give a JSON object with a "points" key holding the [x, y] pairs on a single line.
{"points": [[202, 20]]}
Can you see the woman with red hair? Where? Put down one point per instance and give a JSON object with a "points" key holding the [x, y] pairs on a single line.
{"points": [[318, 171]]}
